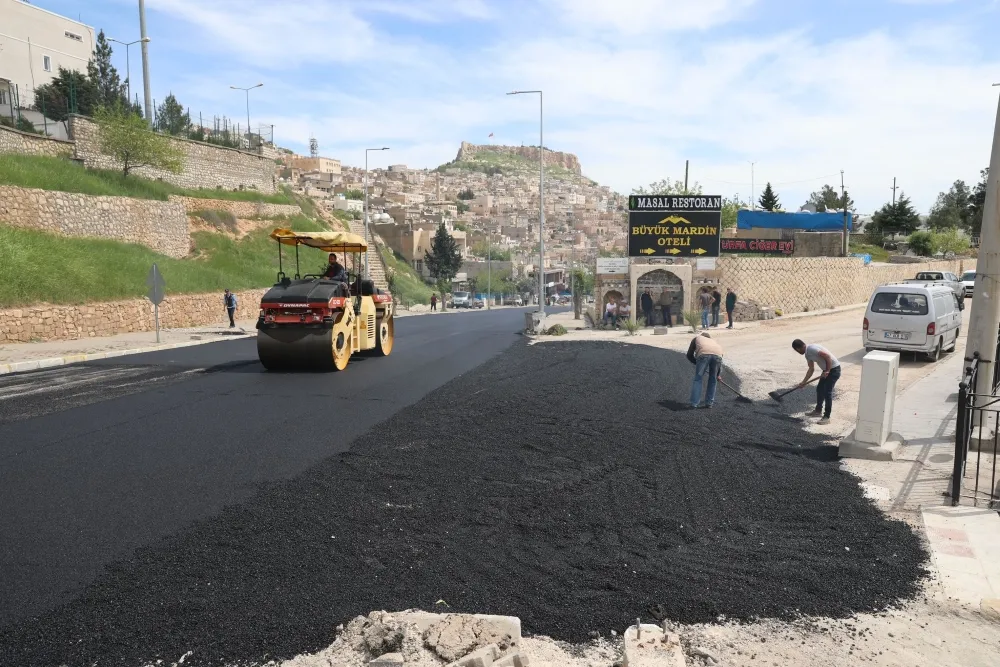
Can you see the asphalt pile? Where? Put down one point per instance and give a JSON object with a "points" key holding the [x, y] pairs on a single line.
{"points": [[559, 483]]}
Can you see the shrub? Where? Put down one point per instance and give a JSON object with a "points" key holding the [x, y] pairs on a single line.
{"points": [[922, 243], [952, 240], [224, 221], [556, 330], [633, 326], [692, 317]]}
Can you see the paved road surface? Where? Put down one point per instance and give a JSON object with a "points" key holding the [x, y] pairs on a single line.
{"points": [[101, 458]]}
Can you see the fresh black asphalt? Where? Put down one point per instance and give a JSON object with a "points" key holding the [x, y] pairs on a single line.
{"points": [[100, 458], [556, 483]]}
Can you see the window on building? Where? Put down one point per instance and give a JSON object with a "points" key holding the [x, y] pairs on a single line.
{"points": [[73, 36], [47, 63]]}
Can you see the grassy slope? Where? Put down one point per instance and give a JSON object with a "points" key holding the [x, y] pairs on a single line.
{"points": [[39, 267], [409, 287], [49, 173]]}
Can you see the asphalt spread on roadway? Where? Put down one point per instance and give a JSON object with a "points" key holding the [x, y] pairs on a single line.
{"points": [[556, 483]]}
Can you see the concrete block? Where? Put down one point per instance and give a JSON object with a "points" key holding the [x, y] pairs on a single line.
{"points": [[512, 660], [484, 657], [652, 647], [852, 449], [387, 660], [661, 331], [990, 608]]}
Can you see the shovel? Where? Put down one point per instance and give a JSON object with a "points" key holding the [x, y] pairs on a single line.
{"points": [[776, 395], [740, 398]]}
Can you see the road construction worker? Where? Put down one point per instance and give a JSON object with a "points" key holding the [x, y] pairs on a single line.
{"points": [[335, 270], [830, 366], [706, 355]]}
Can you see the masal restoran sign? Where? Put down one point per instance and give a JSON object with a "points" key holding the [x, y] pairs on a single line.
{"points": [[674, 225]]}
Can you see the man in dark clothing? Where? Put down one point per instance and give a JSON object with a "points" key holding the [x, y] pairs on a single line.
{"points": [[665, 300], [229, 299], [716, 305], [434, 301], [646, 301], [335, 270], [730, 305]]}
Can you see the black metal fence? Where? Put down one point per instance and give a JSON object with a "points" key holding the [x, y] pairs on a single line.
{"points": [[976, 431]]}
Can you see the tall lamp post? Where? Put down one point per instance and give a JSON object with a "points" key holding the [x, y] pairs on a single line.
{"points": [[367, 151], [147, 95], [128, 63], [247, 91], [541, 198], [753, 202]]}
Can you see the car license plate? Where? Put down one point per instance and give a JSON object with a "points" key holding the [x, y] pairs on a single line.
{"points": [[897, 335]]}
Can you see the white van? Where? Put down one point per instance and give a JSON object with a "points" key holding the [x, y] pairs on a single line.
{"points": [[910, 317]]}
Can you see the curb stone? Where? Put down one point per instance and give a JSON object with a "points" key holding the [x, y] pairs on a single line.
{"points": [[52, 362]]}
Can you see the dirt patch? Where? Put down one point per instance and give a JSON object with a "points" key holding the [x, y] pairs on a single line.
{"points": [[235, 228], [547, 485]]}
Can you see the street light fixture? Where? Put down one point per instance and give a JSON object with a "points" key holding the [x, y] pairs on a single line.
{"points": [[247, 91], [753, 203], [367, 151], [128, 64], [541, 198]]}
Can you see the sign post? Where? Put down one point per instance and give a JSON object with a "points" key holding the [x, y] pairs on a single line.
{"points": [[156, 292], [674, 225]]}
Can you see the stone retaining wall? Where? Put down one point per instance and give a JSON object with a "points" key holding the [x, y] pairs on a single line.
{"points": [[25, 143], [45, 322], [241, 209], [160, 225], [797, 284], [205, 165]]}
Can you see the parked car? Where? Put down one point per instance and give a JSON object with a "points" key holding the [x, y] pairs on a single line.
{"points": [[461, 300], [944, 278], [478, 303], [515, 301], [906, 317], [969, 282]]}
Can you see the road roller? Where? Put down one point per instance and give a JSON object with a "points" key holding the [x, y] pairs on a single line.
{"points": [[316, 322]]}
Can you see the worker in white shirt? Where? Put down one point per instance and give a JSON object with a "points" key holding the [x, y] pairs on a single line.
{"points": [[830, 367]]}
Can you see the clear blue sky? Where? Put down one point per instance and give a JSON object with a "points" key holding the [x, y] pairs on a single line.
{"points": [[878, 88]]}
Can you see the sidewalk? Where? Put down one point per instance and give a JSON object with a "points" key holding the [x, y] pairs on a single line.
{"points": [[964, 541], [19, 357]]}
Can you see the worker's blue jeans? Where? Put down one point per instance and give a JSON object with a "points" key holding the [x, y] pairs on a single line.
{"points": [[824, 391], [704, 318], [710, 364]]}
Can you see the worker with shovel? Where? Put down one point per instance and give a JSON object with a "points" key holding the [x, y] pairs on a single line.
{"points": [[817, 354], [706, 355]]}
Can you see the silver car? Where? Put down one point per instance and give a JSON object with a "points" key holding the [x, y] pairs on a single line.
{"points": [[969, 282]]}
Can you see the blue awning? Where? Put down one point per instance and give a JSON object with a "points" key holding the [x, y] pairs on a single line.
{"points": [[833, 222]]}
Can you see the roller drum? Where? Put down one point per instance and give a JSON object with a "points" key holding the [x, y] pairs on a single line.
{"points": [[296, 348]]}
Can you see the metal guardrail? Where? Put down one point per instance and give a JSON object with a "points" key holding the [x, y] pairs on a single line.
{"points": [[977, 420]]}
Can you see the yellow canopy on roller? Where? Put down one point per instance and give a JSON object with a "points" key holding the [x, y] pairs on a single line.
{"points": [[325, 241]]}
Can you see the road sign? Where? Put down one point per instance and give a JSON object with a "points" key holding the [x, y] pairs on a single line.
{"points": [[156, 285], [612, 265], [674, 226]]}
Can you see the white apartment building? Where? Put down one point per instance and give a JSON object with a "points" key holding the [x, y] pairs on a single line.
{"points": [[34, 44]]}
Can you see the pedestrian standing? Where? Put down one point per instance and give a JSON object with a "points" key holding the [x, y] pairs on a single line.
{"points": [[666, 299], [705, 298], [230, 301], [434, 301], [706, 355], [716, 305], [730, 305], [830, 366], [647, 307]]}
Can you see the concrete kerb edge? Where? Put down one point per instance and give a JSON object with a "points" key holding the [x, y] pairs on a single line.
{"points": [[52, 362]]}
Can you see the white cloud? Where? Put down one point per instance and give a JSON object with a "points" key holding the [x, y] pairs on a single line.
{"points": [[632, 17]]}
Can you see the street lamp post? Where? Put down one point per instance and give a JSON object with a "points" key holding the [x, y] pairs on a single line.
{"points": [[541, 198], [247, 91], [367, 151], [128, 60], [753, 203], [147, 95]]}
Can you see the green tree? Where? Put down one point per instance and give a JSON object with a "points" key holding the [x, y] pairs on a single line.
{"points": [[828, 198], [977, 202], [356, 195], [462, 207], [612, 252], [496, 253], [923, 243], [466, 194], [951, 240], [730, 208], [111, 92], [898, 218], [768, 199], [473, 283], [171, 117], [444, 259], [952, 208], [461, 227], [669, 187], [69, 92], [126, 138]]}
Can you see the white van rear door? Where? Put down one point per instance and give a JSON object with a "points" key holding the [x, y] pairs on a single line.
{"points": [[898, 317]]}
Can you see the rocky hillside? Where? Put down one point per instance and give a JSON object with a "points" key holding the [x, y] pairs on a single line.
{"points": [[476, 152]]}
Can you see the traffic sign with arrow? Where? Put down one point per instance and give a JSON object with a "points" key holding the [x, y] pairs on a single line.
{"points": [[157, 287]]}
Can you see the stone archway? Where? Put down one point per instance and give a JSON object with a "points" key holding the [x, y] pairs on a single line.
{"points": [[658, 281], [609, 295]]}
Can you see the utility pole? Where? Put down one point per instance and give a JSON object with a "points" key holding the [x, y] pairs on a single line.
{"points": [[541, 198], [984, 321], [687, 163], [753, 201], [893, 190], [145, 62], [843, 197]]}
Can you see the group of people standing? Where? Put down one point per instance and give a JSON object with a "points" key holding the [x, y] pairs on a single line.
{"points": [[710, 300]]}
